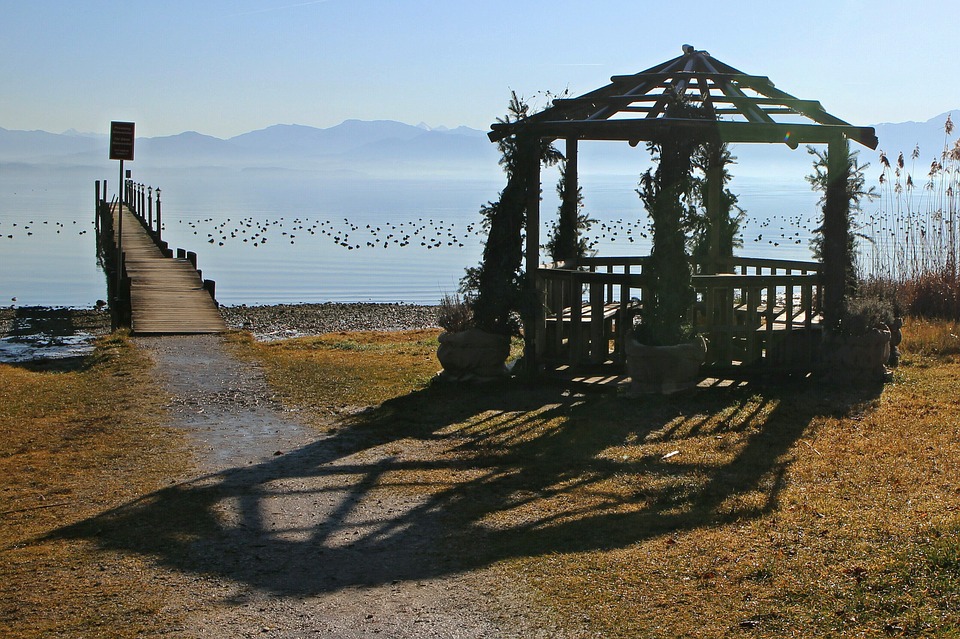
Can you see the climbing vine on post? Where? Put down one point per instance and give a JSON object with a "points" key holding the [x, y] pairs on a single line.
{"points": [[497, 287], [668, 195], [838, 175], [567, 240], [714, 155]]}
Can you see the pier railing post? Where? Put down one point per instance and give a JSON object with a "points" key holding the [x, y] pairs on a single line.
{"points": [[158, 215], [150, 208], [210, 286]]}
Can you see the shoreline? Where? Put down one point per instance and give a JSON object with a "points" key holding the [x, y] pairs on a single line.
{"points": [[38, 333]]}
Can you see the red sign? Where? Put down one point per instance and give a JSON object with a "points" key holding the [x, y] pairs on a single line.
{"points": [[121, 141]]}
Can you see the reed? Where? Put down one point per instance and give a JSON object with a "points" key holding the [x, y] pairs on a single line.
{"points": [[914, 236]]}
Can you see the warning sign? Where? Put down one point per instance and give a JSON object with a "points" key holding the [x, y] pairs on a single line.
{"points": [[121, 141]]}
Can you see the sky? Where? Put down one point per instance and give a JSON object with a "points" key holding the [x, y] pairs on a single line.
{"points": [[227, 67]]}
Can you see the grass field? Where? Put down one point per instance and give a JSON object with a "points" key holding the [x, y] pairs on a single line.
{"points": [[797, 510]]}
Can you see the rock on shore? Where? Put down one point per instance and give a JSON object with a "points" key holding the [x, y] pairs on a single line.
{"points": [[281, 321]]}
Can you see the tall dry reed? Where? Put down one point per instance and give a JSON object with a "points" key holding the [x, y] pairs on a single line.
{"points": [[914, 236]]}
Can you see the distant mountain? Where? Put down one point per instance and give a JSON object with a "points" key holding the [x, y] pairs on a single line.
{"points": [[365, 147], [349, 135], [352, 146], [36, 146], [189, 144], [905, 136]]}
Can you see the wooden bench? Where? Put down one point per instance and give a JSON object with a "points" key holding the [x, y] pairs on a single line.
{"points": [[575, 327]]}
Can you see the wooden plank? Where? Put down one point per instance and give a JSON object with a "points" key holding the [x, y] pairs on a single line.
{"points": [[608, 311]]}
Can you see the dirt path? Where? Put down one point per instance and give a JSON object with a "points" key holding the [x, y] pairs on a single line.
{"points": [[291, 537]]}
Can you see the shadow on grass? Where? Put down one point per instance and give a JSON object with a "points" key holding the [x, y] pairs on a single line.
{"points": [[519, 472]]}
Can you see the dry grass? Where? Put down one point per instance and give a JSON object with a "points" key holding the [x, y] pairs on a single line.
{"points": [[798, 511], [73, 444], [340, 373], [931, 339]]}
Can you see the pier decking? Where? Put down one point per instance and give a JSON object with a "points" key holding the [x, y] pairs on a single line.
{"points": [[167, 294]]}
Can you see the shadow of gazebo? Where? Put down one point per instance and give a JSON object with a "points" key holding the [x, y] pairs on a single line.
{"points": [[760, 316]]}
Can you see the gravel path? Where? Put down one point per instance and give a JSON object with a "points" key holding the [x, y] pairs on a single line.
{"points": [[306, 545]]}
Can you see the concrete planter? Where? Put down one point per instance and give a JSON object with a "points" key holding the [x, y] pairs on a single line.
{"points": [[664, 369], [472, 355], [856, 358]]}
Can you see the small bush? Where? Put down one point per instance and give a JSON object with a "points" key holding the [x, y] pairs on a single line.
{"points": [[863, 313], [454, 314]]}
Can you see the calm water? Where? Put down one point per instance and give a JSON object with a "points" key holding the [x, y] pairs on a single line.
{"points": [[272, 236]]}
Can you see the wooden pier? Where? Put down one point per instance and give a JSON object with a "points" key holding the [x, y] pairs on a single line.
{"points": [[156, 293]]}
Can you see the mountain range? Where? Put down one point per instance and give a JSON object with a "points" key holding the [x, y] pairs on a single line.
{"points": [[388, 146]]}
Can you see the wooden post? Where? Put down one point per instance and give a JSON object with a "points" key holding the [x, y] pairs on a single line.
{"points": [[150, 208], [836, 228], [532, 320], [714, 181], [210, 286], [96, 209], [570, 208], [158, 215]]}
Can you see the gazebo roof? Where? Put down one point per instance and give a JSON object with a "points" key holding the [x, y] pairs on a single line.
{"points": [[632, 108]]}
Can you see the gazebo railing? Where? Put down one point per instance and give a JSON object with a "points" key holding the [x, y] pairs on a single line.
{"points": [[587, 312], [759, 311]]}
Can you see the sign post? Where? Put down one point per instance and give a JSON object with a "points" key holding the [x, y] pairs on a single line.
{"points": [[121, 148]]}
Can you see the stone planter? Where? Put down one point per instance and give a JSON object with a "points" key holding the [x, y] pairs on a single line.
{"points": [[896, 336], [851, 359], [472, 355], [664, 369]]}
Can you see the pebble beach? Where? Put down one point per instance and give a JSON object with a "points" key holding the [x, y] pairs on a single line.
{"points": [[282, 321]]}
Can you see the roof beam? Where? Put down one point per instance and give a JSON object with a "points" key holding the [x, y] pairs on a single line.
{"points": [[742, 78], [636, 130]]}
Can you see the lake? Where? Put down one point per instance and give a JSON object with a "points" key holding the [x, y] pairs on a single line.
{"points": [[272, 236]]}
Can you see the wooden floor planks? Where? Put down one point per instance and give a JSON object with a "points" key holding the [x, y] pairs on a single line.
{"points": [[166, 294]]}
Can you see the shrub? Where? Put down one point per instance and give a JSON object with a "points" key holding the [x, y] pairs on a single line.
{"points": [[864, 313], [454, 314]]}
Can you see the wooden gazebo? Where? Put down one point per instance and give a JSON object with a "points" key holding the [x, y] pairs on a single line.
{"points": [[756, 313]]}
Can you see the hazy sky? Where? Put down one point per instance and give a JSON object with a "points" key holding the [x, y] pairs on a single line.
{"points": [[226, 67]]}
